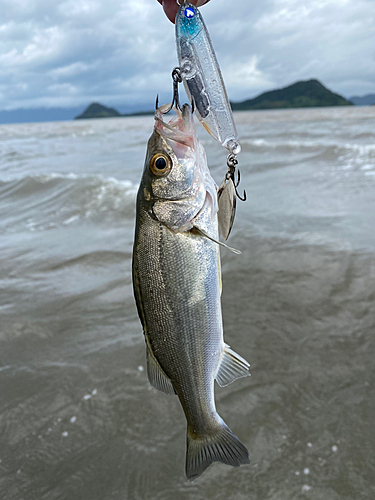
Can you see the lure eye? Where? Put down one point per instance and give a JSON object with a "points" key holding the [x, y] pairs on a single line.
{"points": [[160, 164], [189, 12]]}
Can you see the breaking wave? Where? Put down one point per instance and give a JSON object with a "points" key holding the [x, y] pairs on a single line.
{"points": [[40, 202], [344, 155]]}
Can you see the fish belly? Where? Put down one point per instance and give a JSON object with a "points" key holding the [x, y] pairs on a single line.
{"points": [[179, 288]]}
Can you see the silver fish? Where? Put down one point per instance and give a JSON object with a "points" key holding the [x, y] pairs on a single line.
{"points": [[177, 287]]}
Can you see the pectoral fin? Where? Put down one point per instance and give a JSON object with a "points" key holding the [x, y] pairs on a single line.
{"points": [[232, 367], [156, 374], [219, 273], [200, 232]]}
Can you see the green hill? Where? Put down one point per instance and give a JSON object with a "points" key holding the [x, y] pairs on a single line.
{"points": [[96, 110], [304, 94]]}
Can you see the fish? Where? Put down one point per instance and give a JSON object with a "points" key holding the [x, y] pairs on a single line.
{"points": [[177, 288]]}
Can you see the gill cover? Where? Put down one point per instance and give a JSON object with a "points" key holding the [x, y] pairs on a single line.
{"points": [[179, 192]]}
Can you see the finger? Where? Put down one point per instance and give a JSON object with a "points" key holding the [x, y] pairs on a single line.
{"points": [[170, 8]]}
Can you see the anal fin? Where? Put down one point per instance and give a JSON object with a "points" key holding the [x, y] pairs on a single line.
{"points": [[156, 374], [232, 367]]}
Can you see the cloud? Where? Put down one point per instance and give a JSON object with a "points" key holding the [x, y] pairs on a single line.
{"points": [[71, 70], [332, 40], [244, 76], [69, 53], [42, 47]]}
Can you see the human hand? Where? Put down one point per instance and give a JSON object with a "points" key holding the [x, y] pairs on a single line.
{"points": [[171, 7]]}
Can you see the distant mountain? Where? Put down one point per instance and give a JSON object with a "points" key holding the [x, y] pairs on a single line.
{"points": [[23, 115], [31, 115], [96, 110], [364, 100], [304, 94], [300, 94]]}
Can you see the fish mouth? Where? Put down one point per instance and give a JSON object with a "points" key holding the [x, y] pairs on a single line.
{"points": [[180, 129]]}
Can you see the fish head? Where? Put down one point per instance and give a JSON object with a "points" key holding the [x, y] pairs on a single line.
{"points": [[176, 179]]}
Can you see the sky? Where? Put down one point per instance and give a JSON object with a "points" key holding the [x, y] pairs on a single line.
{"points": [[73, 52]]}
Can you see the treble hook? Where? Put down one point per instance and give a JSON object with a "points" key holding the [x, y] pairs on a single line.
{"points": [[232, 162], [176, 77], [243, 198]]}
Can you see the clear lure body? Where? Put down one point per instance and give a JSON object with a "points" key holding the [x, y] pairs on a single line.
{"points": [[202, 78]]}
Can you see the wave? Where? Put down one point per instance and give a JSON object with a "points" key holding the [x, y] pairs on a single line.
{"points": [[92, 259], [343, 154], [39, 202], [315, 145]]}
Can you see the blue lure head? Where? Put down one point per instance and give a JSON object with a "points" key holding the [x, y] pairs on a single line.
{"points": [[189, 12], [188, 20]]}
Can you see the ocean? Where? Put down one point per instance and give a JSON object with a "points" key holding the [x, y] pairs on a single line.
{"points": [[78, 417]]}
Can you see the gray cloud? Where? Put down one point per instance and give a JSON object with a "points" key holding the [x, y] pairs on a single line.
{"points": [[69, 53]]}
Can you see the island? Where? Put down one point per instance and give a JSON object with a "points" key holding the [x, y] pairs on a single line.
{"points": [[303, 94], [97, 110]]}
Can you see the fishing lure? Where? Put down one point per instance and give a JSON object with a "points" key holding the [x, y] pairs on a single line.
{"points": [[202, 78], [200, 72]]}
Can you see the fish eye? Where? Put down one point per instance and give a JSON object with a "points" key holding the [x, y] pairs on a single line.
{"points": [[160, 164]]}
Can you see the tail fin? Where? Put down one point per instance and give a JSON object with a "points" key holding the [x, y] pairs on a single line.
{"points": [[220, 446]]}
